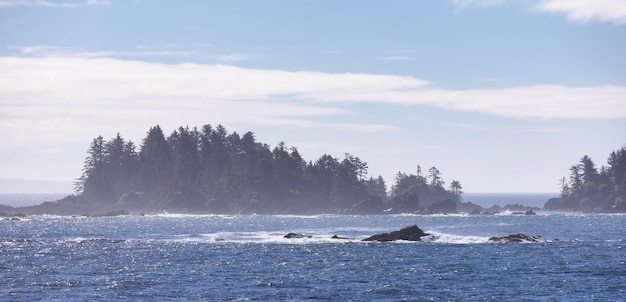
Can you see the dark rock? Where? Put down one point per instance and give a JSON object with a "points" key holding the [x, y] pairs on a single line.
{"points": [[410, 233], [530, 212], [296, 236], [404, 203], [517, 238], [109, 214], [475, 212], [338, 237], [369, 206], [447, 206]]}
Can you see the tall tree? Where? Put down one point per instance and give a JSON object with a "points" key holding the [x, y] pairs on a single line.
{"points": [[576, 181], [376, 187], [155, 160], [456, 188], [186, 160], [93, 180], [435, 178], [589, 171]]}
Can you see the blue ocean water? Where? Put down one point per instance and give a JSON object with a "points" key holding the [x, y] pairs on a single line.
{"points": [[487, 200], [28, 199], [245, 257]]}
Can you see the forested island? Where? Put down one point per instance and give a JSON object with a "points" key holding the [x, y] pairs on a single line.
{"points": [[209, 170], [590, 190]]}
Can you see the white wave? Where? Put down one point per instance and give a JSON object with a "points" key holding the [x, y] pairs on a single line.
{"points": [[314, 237], [304, 216], [178, 215], [437, 237]]}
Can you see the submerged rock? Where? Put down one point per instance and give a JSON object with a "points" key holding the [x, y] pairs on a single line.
{"points": [[517, 238], [296, 236], [410, 233]]}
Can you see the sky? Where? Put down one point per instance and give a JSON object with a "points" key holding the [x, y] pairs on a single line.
{"points": [[501, 95]]}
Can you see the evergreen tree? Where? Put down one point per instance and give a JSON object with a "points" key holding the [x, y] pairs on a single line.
{"points": [[456, 188], [376, 187], [155, 163], [93, 182], [212, 170]]}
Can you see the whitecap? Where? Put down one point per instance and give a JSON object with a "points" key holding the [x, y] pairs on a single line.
{"points": [[437, 237]]}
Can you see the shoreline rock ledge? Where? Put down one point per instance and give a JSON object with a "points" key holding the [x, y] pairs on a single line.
{"points": [[517, 238], [410, 233]]}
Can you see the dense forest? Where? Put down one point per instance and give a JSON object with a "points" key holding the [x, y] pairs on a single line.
{"points": [[591, 190], [210, 170]]}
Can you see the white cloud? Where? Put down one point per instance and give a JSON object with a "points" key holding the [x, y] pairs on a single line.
{"points": [[59, 4], [73, 99], [479, 127], [612, 11]]}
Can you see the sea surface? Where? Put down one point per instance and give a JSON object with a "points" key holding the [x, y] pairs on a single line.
{"points": [[245, 257], [482, 199]]}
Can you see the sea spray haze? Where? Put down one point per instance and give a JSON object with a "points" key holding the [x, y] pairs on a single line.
{"points": [[224, 257]]}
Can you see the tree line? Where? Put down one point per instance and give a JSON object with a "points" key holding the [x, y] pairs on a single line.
{"points": [[590, 189], [209, 169]]}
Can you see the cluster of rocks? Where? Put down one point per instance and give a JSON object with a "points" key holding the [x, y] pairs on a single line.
{"points": [[414, 233], [410, 233]]}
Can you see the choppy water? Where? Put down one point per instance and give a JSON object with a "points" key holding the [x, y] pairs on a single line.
{"points": [[186, 257]]}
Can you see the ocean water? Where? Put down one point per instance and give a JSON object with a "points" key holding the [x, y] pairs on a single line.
{"points": [[245, 257], [28, 199], [482, 199], [486, 200]]}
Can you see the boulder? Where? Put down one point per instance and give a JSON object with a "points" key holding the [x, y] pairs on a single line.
{"points": [[410, 233], [517, 238]]}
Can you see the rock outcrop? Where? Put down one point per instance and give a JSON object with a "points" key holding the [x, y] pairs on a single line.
{"points": [[446, 206], [370, 206], [517, 238], [410, 233], [296, 236]]}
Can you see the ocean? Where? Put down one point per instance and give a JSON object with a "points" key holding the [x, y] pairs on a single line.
{"points": [[245, 257]]}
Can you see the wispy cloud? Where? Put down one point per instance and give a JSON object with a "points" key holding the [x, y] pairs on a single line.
{"points": [[175, 51], [612, 11], [395, 58], [74, 97], [465, 3], [398, 55], [58, 4], [508, 129], [236, 57]]}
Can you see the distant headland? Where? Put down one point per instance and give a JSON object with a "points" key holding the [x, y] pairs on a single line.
{"points": [[208, 170], [591, 190]]}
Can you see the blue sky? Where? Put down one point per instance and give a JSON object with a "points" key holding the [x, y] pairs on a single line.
{"points": [[501, 95]]}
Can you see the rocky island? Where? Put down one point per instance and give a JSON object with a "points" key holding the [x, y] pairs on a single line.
{"points": [[591, 190], [209, 170]]}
